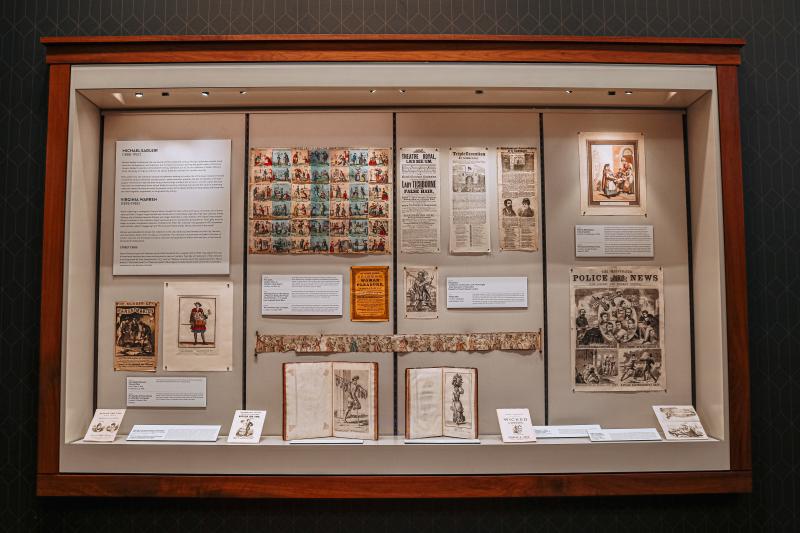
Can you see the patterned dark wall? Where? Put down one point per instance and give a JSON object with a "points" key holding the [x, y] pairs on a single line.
{"points": [[770, 93]]}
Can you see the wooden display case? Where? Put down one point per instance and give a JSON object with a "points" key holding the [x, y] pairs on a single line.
{"points": [[498, 88]]}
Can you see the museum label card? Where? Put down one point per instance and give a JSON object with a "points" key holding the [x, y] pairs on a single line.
{"points": [[680, 422], [488, 292], [615, 240], [166, 391], [172, 207], [564, 432], [311, 295], [442, 440], [104, 425], [515, 425], [327, 440], [174, 433], [624, 435], [246, 427]]}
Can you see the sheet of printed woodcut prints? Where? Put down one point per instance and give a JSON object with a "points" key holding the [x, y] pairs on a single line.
{"points": [[617, 328], [320, 201]]}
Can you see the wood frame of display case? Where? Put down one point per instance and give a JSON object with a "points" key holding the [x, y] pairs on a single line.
{"points": [[64, 52]]}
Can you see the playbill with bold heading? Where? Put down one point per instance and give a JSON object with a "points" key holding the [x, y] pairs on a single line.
{"points": [[516, 194], [419, 200], [369, 293], [617, 328], [136, 336]]}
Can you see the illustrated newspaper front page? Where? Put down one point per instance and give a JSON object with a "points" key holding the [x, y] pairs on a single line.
{"points": [[517, 196], [469, 219], [617, 328], [419, 200]]}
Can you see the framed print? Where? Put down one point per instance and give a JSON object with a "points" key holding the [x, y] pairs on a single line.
{"points": [[612, 173]]}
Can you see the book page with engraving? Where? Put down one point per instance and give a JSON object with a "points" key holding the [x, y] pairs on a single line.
{"points": [[424, 403], [309, 412], [458, 400], [355, 391]]}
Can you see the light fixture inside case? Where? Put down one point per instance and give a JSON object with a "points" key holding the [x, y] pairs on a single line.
{"points": [[204, 93], [138, 95]]}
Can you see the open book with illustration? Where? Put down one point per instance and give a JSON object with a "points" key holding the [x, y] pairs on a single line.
{"points": [[330, 399], [442, 402]]}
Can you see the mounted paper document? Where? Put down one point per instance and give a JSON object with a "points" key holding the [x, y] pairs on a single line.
{"points": [[172, 207], [488, 292]]}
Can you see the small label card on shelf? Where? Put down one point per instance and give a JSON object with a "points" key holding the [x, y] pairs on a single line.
{"points": [[327, 440], [614, 240], [680, 422], [486, 293], [174, 433], [246, 427], [515, 425], [442, 440], [166, 391], [564, 432], [311, 295], [624, 435], [104, 425]]}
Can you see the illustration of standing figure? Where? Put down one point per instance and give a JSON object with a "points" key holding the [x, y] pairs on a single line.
{"points": [[353, 391], [197, 322], [457, 407], [421, 292]]}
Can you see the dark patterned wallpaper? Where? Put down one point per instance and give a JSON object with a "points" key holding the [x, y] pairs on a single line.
{"points": [[770, 93]]}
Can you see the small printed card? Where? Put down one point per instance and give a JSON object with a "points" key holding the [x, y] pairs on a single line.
{"points": [[515, 425], [246, 427], [680, 422], [104, 425], [623, 435]]}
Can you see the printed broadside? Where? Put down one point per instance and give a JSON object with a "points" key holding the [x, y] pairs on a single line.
{"points": [[617, 328], [441, 402], [136, 336], [320, 200], [469, 218], [369, 293], [612, 172], [330, 399], [516, 193], [421, 292], [419, 200]]}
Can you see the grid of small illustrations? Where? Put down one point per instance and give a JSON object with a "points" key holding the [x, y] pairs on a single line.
{"points": [[320, 201]]}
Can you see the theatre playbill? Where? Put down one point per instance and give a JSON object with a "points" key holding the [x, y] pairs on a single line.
{"points": [[419, 200], [172, 207], [617, 328], [612, 172], [469, 220], [369, 293], [136, 336], [516, 193]]}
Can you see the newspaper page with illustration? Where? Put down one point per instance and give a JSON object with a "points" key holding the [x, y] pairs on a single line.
{"points": [[419, 200], [469, 218], [617, 328], [517, 196]]}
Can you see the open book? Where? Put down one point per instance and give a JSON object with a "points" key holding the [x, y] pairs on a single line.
{"points": [[330, 399], [442, 402]]}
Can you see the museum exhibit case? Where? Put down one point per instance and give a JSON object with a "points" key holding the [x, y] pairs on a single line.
{"points": [[334, 237]]}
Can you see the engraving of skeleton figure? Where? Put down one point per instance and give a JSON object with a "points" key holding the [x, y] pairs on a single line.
{"points": [[456, 406]]}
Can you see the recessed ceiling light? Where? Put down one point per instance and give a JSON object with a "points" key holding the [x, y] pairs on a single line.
{"points": [[478, 91], [401, 91], [373, 91], [204, 93], [568, 91], [628, 92], [165, 93], [138, 95], [243, 91], [612, 93]]}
